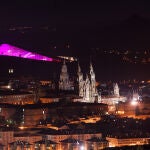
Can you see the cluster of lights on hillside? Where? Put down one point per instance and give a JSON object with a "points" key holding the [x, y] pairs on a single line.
{"points": [[9, 50]]}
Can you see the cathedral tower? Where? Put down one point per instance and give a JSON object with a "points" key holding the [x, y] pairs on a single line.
{"points": [[93, 82], [80, 81], [87, 89], [116, 90], [64, 83]]}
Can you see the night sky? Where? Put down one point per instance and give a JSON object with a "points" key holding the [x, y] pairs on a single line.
{"points": [[79, 12], [83, 25]]}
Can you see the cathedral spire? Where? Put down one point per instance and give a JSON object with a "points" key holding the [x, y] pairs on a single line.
{"points": [[80, 81], [87, 77], [64, 62], [92, 74], [91, 67], [79, 68]]}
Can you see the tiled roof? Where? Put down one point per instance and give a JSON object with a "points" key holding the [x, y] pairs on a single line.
{"points": [[96, 139], [45, 142], [20, 143]]}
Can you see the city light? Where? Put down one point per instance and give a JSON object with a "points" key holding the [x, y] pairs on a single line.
{"points": [[134, 99], [9, 50], [22, 127], [82, 147], [134, 103]]}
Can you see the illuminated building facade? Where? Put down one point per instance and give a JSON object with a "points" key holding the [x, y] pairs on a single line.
{"points": [[87, 88], [139, 110], [113, 100], [45, 144], [96, 143], [118, 142], [16, 99], [65, 141], [6, 137], [78, 140], [64, 82], [24, 141]]}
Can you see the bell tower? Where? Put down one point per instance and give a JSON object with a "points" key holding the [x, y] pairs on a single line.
{"points": [[64, 83], [87, 89], [116, 90], [80, 81], [93, 82]]}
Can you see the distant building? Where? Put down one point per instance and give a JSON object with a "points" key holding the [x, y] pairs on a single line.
{"points": [[45, 144], [113, 100], [6, 137], [127, 141], [35, 114], [96, 143], [56, 140], [135, 109], [64, 81], [24, 141], [14, 97], [87, 87], [78, 135]]}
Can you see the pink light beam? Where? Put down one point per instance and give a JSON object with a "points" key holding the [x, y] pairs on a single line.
{"points": [[9, 50]]}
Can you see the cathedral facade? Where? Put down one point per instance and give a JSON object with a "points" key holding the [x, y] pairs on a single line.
{"points": [[86, 87], [64, 82]]}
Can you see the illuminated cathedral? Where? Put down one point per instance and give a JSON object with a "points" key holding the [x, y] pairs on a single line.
{"points": [[64, 82], [86, 88]]}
